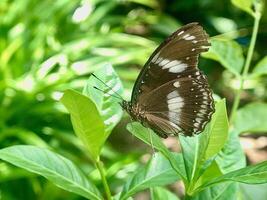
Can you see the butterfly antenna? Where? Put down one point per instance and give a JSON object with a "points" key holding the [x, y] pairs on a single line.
{"points": [[119, 96], [106, 93]]}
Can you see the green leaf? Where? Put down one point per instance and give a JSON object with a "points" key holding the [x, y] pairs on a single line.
{"points": [[157, 172], [232, 156], [215, 135], [250, 192], [107, 105], [254, 174], [159, 193], [228, 53], [260, 68], [251, 118], [59, 170], [223, 191], [147, 135], [211, 172], [198, 149], [86, 121], [245, 5]]}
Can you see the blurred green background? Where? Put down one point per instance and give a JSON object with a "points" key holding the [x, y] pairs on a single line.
{"points": [[49, 46]]}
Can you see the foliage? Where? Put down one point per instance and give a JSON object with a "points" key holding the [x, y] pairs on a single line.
{"points": [[51, 49]]}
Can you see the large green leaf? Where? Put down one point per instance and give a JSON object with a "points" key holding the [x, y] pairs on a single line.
{"points": [[251, 118], [254, 174], [148, 136], [86, 121], [228, 53], [59, 170], [260, 68], [159, 193], [107, 105], [245, 5], [198, 149], [157, 172]]}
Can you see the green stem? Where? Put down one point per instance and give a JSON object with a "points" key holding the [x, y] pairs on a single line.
{"points": [[100, 167], [247, 64]]}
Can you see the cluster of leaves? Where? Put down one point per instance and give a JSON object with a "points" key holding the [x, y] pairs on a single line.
{"points": [[210, 164]]}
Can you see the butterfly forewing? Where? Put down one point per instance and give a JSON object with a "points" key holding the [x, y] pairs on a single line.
{"points": [[171, 94]]}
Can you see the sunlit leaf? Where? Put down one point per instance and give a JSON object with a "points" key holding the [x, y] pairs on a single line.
{"points": [[251, 118], [228, 53], [59, 170], [87, 123], [260, 68], [157, 172], [245, 5], [107, 105]]}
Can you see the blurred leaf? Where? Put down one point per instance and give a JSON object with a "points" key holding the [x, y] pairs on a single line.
{"points": [[61, 171], [222, 191], [198, 149], [254, 174], [250, 192], [86, 121], [159, 193], [232, 156], [260, 68], [251, 118], [228, 53], [107, 105], [245, 5], [156, 172], [148, 136]]}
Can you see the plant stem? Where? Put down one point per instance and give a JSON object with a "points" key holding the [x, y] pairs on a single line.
{"points": [[100, 167], [247, 64]]}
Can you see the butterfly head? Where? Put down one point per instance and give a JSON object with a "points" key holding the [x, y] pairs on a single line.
{"points": [[133, 110]]}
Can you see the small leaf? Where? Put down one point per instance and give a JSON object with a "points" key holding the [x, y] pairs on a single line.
{"points": [[157, 172], [251, 118], [245, 5], [86, 121], [147, 135], [59, 170], [260, 68], [254, 174], [159, 193], [228, 53], [107, 105]]}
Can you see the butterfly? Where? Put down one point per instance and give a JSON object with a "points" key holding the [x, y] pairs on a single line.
{"points": [[171, 95]]}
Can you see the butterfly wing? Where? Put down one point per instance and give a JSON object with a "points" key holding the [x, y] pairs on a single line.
{"points": [[170, 89], [176, 56]]}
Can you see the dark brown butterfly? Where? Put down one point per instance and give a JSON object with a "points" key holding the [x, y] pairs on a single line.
{"points": [[171, 95]]}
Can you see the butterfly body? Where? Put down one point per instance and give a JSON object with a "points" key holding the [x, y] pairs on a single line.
{"points": [[171, 95]]}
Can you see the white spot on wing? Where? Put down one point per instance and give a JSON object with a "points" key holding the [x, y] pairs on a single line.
{"points": [[172, 94], [180, 33], [175, 100], [155, 57], [164, 62], [176, 84]]}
